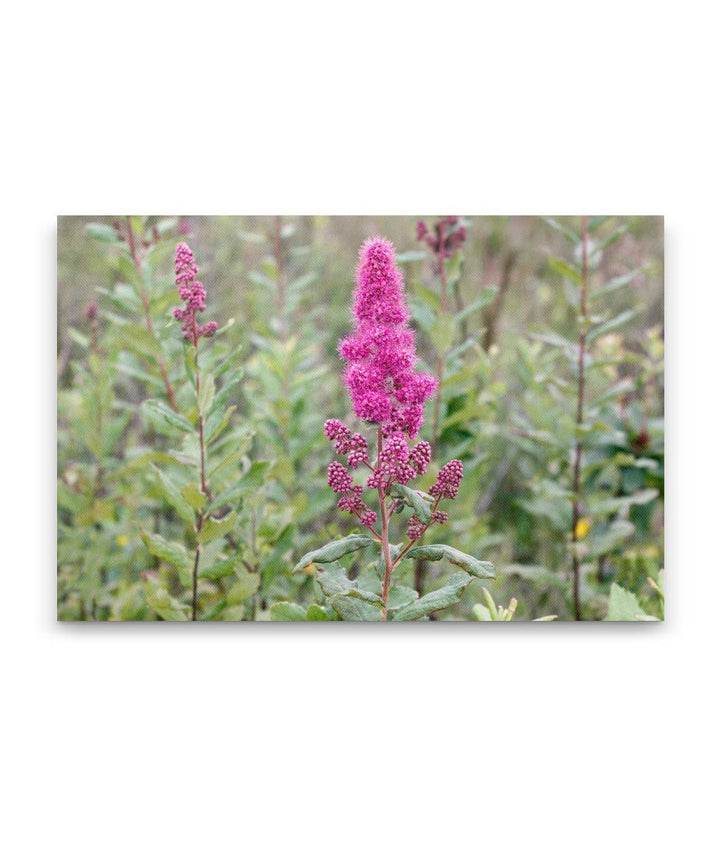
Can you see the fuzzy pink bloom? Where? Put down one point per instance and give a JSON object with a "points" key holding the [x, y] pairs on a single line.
{"points": [[380, 374], [193, 293]]}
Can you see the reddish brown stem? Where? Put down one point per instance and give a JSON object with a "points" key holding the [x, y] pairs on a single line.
{"points": [[148, 317], [578, 424], [384, 539]]}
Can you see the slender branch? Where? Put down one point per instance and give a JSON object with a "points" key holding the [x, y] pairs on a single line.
{"points": [[148, 317], [578, 423], [384, 538], [422, 532]]}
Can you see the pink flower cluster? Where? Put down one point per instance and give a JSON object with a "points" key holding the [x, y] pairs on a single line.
{"points": [[449, 236], [448, 480], [380, 374], [355, 446], [193, 293], [341, 481]]}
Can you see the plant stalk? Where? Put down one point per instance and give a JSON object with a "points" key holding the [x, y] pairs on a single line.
{"points": [[578, 424], [148, 317], [385, 541]]}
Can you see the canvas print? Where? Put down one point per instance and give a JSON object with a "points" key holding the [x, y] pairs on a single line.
{"points": [[360, 418]]}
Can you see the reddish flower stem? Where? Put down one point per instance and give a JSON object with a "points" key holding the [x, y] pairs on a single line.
{"points": [[384, 539]]}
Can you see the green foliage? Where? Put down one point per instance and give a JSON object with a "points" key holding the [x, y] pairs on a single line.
{"points": [[130, 495]]}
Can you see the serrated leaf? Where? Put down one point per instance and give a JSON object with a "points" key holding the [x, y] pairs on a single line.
{"points": [[441, 598], [334, 550], [285, 611], [436, 552]]}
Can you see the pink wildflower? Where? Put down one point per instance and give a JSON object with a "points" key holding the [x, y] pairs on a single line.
{"points": [[193, 293], [380, 374]]}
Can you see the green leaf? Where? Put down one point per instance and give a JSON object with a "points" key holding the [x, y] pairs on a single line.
{"points": [[614, 284], [564, 269], [563, 230], [218, 570], [487, 295], [401, 596], [617, 321], [411, 256], [137, 339], [172, 552], [215, 427], [158, 411], [316, 613], [103, 233], [443, 332], [174, 497], [213, 529], [436, 552], [624, 606], [334, 583], [441, 598], [167, 607], [194, 496], [427, 296], [334, 550], [206, 394], [246, 584], [352, 609], [419, 504], [285, 611]]}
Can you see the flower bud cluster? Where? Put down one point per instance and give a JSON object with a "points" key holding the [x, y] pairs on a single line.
{"points": [[193, 293], [449, 236], [448, 480]]}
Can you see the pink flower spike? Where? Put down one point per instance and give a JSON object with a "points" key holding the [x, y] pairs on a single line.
{"points": [[380, 354], [192, 292]]}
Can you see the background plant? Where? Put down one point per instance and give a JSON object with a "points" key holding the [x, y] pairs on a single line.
{"points": [[508, 403]]}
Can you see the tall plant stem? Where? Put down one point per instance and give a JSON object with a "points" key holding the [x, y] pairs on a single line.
{"points": [[385, 541], [148, 317], [578, 424], [203, 484], [281, 279], [441, 357]]}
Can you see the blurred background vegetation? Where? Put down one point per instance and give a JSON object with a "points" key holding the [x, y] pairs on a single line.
{"points": [[280, 289]]}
